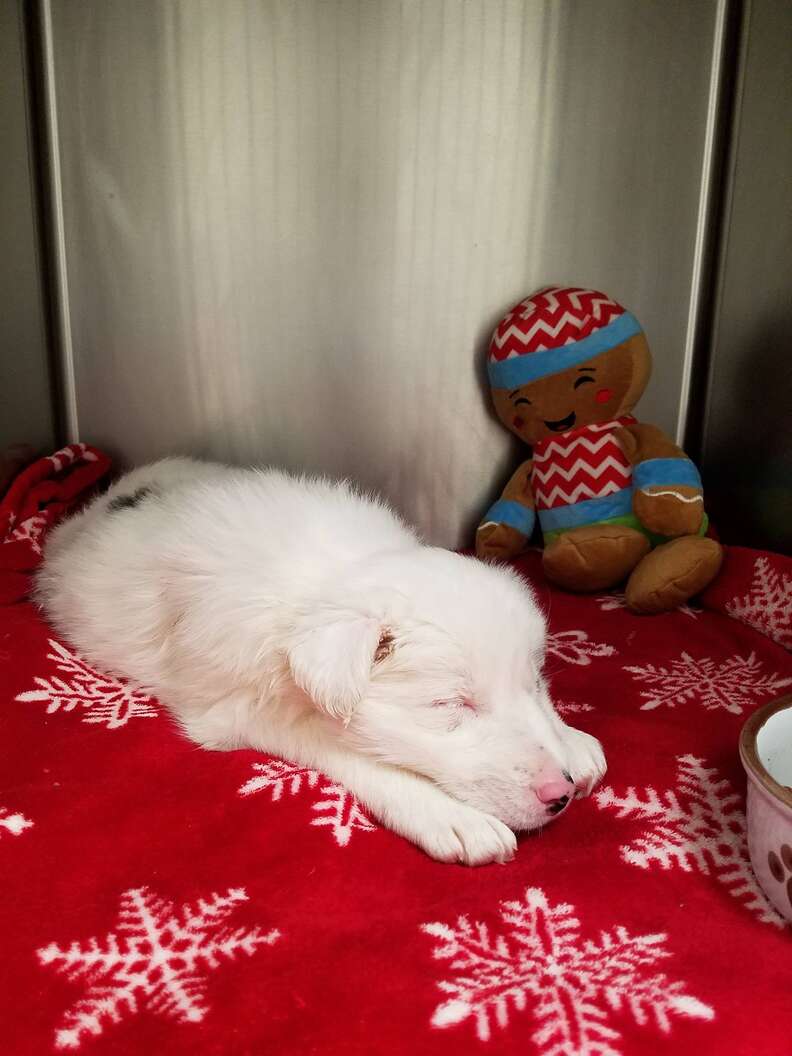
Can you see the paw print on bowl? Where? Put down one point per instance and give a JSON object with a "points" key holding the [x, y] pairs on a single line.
{"points": [[780, 866]]}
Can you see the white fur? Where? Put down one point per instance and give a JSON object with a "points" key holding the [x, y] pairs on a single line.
{"points": [[253, 604]]}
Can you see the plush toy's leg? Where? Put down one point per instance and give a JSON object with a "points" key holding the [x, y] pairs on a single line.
{"points": [[673, 573], [594, 557]]}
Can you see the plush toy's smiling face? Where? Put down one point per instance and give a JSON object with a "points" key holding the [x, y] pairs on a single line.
{"points": [[598, 390]]}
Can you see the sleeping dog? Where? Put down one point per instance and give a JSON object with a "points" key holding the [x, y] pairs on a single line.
{"points": [[304, 619]]}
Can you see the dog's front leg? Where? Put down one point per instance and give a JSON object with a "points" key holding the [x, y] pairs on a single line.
{"points": [[417, 809], [410, 805]]}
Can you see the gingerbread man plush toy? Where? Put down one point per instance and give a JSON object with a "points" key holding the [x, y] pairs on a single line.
{"points": [[616, 498]]}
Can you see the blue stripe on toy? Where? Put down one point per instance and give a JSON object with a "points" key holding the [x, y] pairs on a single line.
{"points": [[519, 370], [590, 511], [514, 514], [666, 471]]}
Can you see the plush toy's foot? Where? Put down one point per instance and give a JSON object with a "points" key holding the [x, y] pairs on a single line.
{"points": [[595, 557], [673, 573], [499, 541]]}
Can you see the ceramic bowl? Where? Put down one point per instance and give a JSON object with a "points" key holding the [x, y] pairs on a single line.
{"points": [[766, 753]]}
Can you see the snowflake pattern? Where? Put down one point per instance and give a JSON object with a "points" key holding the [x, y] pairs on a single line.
{"points": [[572, 707], [575, 647], [30, 531], [157, 958], [102, 698], [337, 807], [571, 983], [697, 826], [615, 599], [15, 824], [63, 458], [732, 685], [767, 607]]}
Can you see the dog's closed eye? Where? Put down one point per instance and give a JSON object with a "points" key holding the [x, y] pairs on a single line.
{"points": [[457, 703], [454, 711]]}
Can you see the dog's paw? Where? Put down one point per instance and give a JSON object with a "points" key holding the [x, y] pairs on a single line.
{"points": [[458, 833], [585, 760]]}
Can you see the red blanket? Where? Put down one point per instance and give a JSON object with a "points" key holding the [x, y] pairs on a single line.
{"points": [[160, 899]]}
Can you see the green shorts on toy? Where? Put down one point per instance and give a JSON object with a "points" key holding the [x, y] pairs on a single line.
{"points": [[616, 498]]}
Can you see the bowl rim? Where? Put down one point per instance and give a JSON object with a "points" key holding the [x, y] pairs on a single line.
{"points": [[749, 755]]}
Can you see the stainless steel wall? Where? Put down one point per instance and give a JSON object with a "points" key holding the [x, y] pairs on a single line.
{"points": [[25, 398], [288, 227]]}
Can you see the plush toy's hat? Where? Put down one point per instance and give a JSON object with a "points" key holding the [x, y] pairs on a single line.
{"points": [[556, 328]]}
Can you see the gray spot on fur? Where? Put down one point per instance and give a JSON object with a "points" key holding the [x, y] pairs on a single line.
{"points": [[128, 502]]}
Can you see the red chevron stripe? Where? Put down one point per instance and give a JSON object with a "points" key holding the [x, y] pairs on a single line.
{"points": [[579, 453], [531, 325], [592, 487], [554, 473], [591, 475], [565, 466]]}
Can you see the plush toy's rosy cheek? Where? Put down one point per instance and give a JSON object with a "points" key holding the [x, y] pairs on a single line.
{"points": [[604, 395], [517, 422]]}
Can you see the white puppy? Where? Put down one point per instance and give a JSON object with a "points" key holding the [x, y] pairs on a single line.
{"points": [[301, 618]]}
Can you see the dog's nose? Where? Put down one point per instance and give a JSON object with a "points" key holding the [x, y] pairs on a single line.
{"points": [[555, 794], [557, 805], [552, 791]]}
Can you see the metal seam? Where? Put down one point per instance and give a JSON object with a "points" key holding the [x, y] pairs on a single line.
{"points": [[62, 316], [704, 218]]}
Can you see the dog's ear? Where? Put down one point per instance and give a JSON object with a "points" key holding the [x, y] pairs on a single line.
{"points": [[331, 658]]}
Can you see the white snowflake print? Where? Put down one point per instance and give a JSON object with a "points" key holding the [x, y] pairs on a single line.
{"points": [[15, 824], [101, 698], [767, 606], [156, 959], [575, 647], [334, 806], [540, 960], [731, 684], [616, 600], [67, 455], [572, 707], [699, 825], [30, 531]]}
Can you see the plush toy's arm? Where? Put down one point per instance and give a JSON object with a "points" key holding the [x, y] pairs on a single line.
{"points": [[667, 496], [506, 527]]}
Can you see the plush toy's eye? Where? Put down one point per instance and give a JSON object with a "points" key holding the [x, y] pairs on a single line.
{"points": [[581, 381], [522, 399]]}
